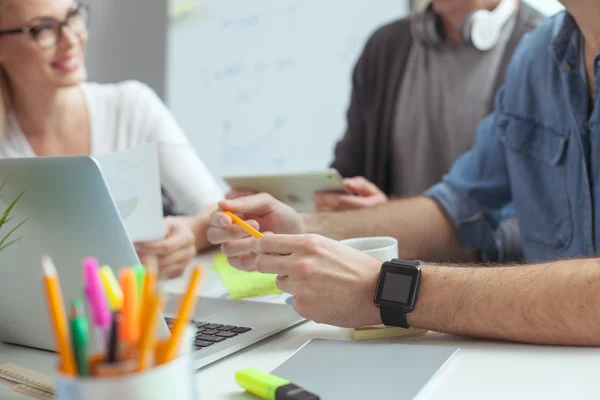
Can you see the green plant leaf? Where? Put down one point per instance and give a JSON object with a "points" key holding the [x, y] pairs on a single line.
{"points": [[11, 232], [9, 209], [9, 244]]}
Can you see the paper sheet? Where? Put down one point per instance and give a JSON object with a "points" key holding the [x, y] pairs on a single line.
{"points": [[133, 177], [242, 284]]}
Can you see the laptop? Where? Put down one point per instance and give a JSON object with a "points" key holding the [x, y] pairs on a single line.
{"points": [[71, 215]]}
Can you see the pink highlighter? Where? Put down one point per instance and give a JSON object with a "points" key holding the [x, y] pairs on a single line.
{"points": [[100, 315]]}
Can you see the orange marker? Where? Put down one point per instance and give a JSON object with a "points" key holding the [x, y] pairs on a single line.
{"points": [[186, 307], [58, 317], [129, 325], [244, 225]]}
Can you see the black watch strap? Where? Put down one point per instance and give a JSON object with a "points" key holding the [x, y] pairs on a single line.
{"points": [[393, 316]]}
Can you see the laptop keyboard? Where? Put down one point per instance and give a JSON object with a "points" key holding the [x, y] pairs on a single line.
{"points": [[208, 333]]}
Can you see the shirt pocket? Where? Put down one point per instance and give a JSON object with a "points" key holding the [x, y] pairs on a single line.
{"points": [[535, 158]]}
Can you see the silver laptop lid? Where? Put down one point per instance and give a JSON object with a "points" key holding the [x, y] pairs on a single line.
{"points": [[70, 215]]}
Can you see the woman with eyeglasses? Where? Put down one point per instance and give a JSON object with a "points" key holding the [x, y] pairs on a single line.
{"points": [[47, 109]]}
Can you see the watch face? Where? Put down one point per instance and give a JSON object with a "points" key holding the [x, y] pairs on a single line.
{"points": [[397, 286]]}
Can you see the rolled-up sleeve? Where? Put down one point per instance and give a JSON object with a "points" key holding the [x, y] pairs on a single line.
{"points": [[477, 187]]}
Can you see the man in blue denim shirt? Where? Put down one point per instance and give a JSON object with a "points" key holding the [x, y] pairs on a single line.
{"points": [[537, 149]]}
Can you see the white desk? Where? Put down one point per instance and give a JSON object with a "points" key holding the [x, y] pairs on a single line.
{"points": [[481, 370]]}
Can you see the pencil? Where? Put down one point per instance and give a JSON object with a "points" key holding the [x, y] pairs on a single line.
{"points": [[148, 289], [148, 341], [58, 317], [244, 225], [186, 307]]}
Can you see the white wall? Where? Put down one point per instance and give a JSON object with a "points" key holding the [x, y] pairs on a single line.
{"points": [[128, 40]]}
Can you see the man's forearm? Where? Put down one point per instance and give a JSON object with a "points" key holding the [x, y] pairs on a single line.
{"points": [[555, 303], [423, 230]]}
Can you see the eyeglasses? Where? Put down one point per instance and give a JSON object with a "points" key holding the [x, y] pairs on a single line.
{"points": [[47, 32]]}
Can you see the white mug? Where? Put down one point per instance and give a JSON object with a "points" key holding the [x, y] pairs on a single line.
{"points": [[383, 248]]}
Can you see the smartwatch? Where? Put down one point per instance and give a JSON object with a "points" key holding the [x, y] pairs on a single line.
{"points": [[396, 292]]}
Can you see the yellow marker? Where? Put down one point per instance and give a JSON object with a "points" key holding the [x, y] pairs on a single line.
{"points": [[111, 288], [244, 225]]}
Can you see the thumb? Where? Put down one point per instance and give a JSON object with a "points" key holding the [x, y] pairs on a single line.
{"points": [[255, 205], [361, 186]]}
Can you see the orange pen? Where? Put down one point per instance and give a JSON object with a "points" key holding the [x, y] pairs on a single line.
{"points": [[129, 325], [58, 317], [244, 225], [186, 307]]}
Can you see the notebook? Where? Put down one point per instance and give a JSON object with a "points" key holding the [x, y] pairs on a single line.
{"points": [[353, 370], [29, 382]]}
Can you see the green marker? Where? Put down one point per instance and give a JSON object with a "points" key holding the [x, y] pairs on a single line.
{"points": [[270, 387], [80, 336], [139, 272]]}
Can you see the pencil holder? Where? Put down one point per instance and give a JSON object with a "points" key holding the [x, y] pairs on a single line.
{"points": [[174, 380]]}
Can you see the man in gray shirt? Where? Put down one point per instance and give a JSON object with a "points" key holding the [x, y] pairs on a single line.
{"points": [[420, 89]]}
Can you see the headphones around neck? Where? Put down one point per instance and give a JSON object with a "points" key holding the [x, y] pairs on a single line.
{"points": [[481, 28]]}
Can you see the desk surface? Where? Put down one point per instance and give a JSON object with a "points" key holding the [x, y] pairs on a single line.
{"points": [[482, 369]]}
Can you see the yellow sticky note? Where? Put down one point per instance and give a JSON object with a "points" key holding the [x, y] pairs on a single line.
{"points": [[241, 284]]}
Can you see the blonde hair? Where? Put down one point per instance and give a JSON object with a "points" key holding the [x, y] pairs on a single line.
{"points": [[4, 89]]}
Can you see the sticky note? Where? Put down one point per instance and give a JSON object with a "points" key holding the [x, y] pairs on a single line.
{"points": [[242, 284]]}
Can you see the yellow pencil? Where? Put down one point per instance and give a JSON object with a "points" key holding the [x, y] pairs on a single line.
{"points": [[148, 341], [58, 317], [244, 225], [186, 307]]}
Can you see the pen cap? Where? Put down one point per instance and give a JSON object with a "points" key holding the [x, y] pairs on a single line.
{"points": [[259, 383], [111, 287]]}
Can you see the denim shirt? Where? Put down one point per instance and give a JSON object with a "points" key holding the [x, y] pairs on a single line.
{"points": [[537, 150]]}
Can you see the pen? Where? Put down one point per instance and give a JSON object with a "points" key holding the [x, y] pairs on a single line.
{"points": [[80, 336], [244, 225], [139, 272], [58, 318], [186, 307], [111, 356], [270, 387]]}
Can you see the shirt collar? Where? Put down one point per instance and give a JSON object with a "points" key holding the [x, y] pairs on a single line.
{"points": [[566, 44]]}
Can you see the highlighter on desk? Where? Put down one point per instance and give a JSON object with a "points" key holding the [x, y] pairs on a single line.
{"points": [[270, 387]]}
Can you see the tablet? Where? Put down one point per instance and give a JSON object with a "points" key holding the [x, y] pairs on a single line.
{"points": [[295, 189]]}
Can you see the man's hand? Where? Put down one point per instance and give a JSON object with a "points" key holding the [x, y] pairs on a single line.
{"points": [[331, 283], [367, 194], [175, 251], [262, 212]]}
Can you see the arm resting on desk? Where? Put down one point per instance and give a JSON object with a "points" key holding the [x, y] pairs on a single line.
{"points": [[555, 303]]}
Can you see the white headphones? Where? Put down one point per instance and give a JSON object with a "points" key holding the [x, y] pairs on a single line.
{"points": [[481, 29]]}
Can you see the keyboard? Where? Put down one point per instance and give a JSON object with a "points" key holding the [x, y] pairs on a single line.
{"points": [[208, 333]]}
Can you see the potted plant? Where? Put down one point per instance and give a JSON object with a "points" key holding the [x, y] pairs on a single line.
{"points": [[5, 218]]}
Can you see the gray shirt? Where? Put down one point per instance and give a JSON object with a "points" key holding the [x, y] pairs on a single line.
{"points": [[444, 96]]}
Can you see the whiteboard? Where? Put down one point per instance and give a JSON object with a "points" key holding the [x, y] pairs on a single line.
{"points": [[262, 86]]}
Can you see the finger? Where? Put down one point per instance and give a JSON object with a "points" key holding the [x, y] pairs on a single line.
{"points": [[182, 255], [239, 247], [274, 264], [354, 202], [247, 262], [239, 192], [284, 244], [232, 232], [361, 186], [255, 205], [285, 284], [173, 271]]}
